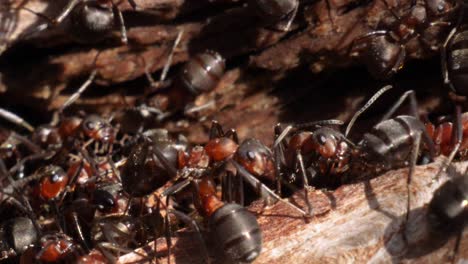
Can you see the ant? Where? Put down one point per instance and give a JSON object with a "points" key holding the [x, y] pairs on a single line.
{"points": [[392, 143], [385, 49], [89, 20], [233, 227], [200, 74]]}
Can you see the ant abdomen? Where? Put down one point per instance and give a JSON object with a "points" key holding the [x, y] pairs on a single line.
{"points": [[90, 22], [448, 205], [382, 56], [202, 73], [389, 143], [17, 234], [237, 231], [456, 62]]}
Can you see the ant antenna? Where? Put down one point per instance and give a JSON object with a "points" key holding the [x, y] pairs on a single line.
{"points": [[366, 106], [16, 119]]}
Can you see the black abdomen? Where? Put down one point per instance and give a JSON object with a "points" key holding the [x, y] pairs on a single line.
{"points": [[237, 231]]}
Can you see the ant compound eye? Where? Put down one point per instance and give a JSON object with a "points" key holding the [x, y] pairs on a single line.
{"points": [[90, 125], [322, 139]]}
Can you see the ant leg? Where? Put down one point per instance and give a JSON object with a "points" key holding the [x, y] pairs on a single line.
{"points": [[280, 159], [400, 60], [280, 135], [443, 59], [300, 162], [80, 232], [286, 23], [412, 166], [123, 30], [265, 192], [193, 224], [133, 4], [458, 138], [66, 11], [216, 130], [15, 119], [456, 248], [162, 83], [413, 105], [83, 87], [226, 183], [80, 90], [240, 197]]}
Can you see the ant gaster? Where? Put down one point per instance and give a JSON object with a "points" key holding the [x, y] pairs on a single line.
{"points": [[16, 235]]}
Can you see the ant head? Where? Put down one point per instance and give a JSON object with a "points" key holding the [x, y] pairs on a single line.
{"points": [[53, 181], [327, 142], [220, 149], [91, 21], [98, 129], [256, 158]]}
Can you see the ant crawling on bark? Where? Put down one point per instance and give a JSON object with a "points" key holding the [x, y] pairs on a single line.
{"points": [[392, 143], [384, 50]]}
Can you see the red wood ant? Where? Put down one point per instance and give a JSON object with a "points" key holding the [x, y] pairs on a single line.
{"points": [[234, 228], [391, 143], [385, 49], [200, 74]]}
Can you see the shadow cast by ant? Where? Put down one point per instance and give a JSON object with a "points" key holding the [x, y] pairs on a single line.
{"points": [[373, 202]]}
